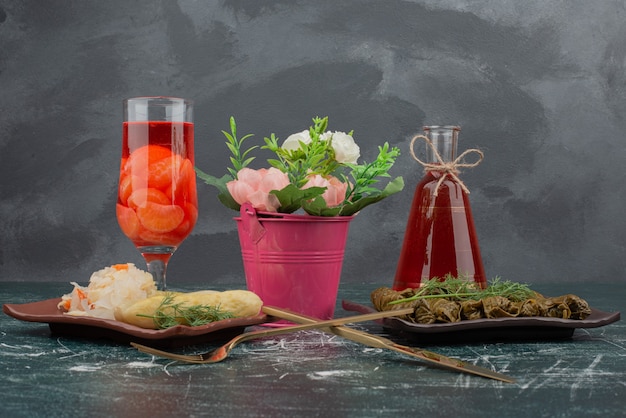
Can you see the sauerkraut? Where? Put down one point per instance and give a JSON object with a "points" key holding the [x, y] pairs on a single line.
{"points": [[115, 287]]}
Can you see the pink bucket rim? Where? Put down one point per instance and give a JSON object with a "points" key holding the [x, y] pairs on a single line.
{"points": [[275, 216]]}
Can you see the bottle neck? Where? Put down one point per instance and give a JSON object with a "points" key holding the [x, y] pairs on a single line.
{"points": [[444, 140]]}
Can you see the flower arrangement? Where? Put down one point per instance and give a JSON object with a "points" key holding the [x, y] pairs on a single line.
{"points": [[314, 170]]}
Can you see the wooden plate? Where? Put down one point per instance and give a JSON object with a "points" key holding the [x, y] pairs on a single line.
{"points": [[46, 311], [497, 329]]}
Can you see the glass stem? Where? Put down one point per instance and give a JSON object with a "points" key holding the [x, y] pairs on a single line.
{"points": [[158, 269], [157, 258]]}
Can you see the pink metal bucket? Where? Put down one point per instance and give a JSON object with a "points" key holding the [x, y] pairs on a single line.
{"points": [[293, 261]]}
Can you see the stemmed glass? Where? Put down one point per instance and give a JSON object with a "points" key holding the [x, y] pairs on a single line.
{"points": [[157, 204]]}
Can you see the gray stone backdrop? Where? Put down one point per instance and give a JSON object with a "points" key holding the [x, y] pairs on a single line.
{"points": [[538, 85]]}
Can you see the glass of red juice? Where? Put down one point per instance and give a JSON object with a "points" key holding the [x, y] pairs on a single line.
{"points": [[157, 203]]}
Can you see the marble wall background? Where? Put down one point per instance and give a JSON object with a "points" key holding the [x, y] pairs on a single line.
{"points": [[539, 86]]}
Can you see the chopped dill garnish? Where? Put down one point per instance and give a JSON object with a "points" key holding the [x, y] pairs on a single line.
{"points": [[169, 314], [462, 289]]}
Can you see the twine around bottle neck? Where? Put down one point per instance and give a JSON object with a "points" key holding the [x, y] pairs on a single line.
{"points": [[449, 168]]}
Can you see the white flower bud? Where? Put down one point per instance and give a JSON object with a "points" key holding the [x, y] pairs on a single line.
{"points": [[346, 150], [292, 142]]}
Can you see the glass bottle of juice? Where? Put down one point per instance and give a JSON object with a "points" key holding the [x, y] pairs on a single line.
{"points": [[440, 237]]}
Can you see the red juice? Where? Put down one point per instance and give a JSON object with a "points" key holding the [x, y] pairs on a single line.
{"points": [[440, 237], [157, 202]]}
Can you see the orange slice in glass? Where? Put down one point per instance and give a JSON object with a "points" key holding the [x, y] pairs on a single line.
{"points": [[160, 218]]}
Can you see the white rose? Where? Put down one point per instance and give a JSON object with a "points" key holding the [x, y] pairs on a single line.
{"points": [[326, 136], [292, 142], [346, 150]]}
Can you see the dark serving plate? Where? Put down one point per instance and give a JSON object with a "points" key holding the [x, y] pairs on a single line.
{"points": [[46, 311], [498, 329]]}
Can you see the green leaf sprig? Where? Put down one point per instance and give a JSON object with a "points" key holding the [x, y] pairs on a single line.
{"points": [[239, 159], [462, 289], [315, 157], [365, 175], [170, 313]]}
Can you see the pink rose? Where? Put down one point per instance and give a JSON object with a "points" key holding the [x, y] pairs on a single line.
{"points": [[254, 187], [335, 190]]}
